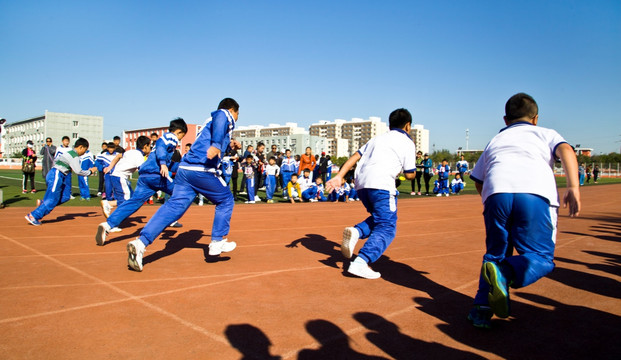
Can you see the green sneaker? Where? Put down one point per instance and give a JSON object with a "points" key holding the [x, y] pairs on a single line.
{"points": [[481, 316], [498, 296]]}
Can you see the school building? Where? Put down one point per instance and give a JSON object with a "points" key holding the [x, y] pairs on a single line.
{"points": [[130, 136], [51, 124]]}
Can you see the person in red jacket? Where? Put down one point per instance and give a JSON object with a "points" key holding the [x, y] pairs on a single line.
{"points": [[307, 161]]}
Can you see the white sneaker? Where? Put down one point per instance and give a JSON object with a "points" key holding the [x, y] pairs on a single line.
{"points": [[363, 270], [218, 247], [99, 194], [350, 238], [350, 199], [200, 203], [439, 195], [115, 229], [242, 193], [135, 250], [106, 208], [285, 198], [71, 197], [412, 193], [446, 194], [256, 198], [102, 230], [312, 200]]}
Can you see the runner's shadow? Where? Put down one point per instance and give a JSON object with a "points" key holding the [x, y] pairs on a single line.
{"points": [[388, 337], [615, 238], [250, 341], [611, 266], [133, 221], [321, 245], [334, 343], [595, 284], [14, 199], [188, 239], [69, 217]]}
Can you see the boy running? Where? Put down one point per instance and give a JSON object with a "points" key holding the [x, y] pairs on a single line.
{"points": [[379, 163], [519, 215]]}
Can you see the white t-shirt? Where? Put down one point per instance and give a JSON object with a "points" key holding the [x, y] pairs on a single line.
{"points": [[130, 162], [383, 158], [272, 170], [519, 159], [305, 183]]}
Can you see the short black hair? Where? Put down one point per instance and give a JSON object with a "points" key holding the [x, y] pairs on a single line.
{"points": [[294, 174], [305, 170], [228, 103], [272, 158], [249, 156], [399, 118], [289, 150], [443, 160], [66, 137], [111, 145], [188, 144], [48, 138], [155, 134], [142, 141], [260, 144], [116, 138], [81, 142], [178, 124], [520, 105]]}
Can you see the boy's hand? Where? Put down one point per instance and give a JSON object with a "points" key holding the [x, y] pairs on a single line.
{"points": [[292, 201], [572, 198], [212, 152], [334, 184], [235, 145], [93, 169], [107, 170], [164, 170]]}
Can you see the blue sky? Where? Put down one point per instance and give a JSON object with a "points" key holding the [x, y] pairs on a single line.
{"points": [[453, 64]]}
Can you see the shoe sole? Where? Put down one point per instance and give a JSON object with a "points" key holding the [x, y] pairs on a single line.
{"points": [[131, 258], [30, 221], [498, 296], [100, 237], [103, 209], [349, 243]]}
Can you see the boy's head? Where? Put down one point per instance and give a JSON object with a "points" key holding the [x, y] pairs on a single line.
{"points": [[462, 157], [328, 157], [297, 158], [154, 136], [521, 107], [65, 141], [400, 119], [178, 127], [318, 181], [249, 148], [116, 140], [80, 146], [419, 154], [306, 172], [260, 147], [294, 178], [104, 145], [249, 159], [444, 162], [309, 151], [272, 160], [288, 153], [457, 176], [143, 144], [343, 181], [231, 105], [188, 146], [111, 147]]}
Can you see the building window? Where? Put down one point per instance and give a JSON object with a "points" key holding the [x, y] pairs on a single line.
{"points": [[74, 135], [75, 123]]}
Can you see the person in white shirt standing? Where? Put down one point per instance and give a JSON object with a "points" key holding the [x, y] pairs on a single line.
{"points": [[380, 161]]}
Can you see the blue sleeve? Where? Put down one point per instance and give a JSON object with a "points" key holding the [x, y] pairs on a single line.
{"points": [[219, 128], [161, 152], [174, 167]]}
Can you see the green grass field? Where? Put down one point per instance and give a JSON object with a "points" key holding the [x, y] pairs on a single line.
{"points": [[11, 183]]}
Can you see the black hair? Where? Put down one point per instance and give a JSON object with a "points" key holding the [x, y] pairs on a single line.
{"points": [[249, 156], [419, 153], [48, 138], [104, 143], [443, 160], [294, 174], [289, 150], [111, 145], [249, 146], [116, 138], [272, 158], [520, 105], [260, 144], [328, 157], [65, 137], [178, 124], [188, 144], [142, 141], [81, 142], [399, 118], [228, 103], [155, 134], [305, 170]]}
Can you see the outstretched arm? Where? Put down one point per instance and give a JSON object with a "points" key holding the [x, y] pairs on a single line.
{"points": [[336, 181], [571, 197]]}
